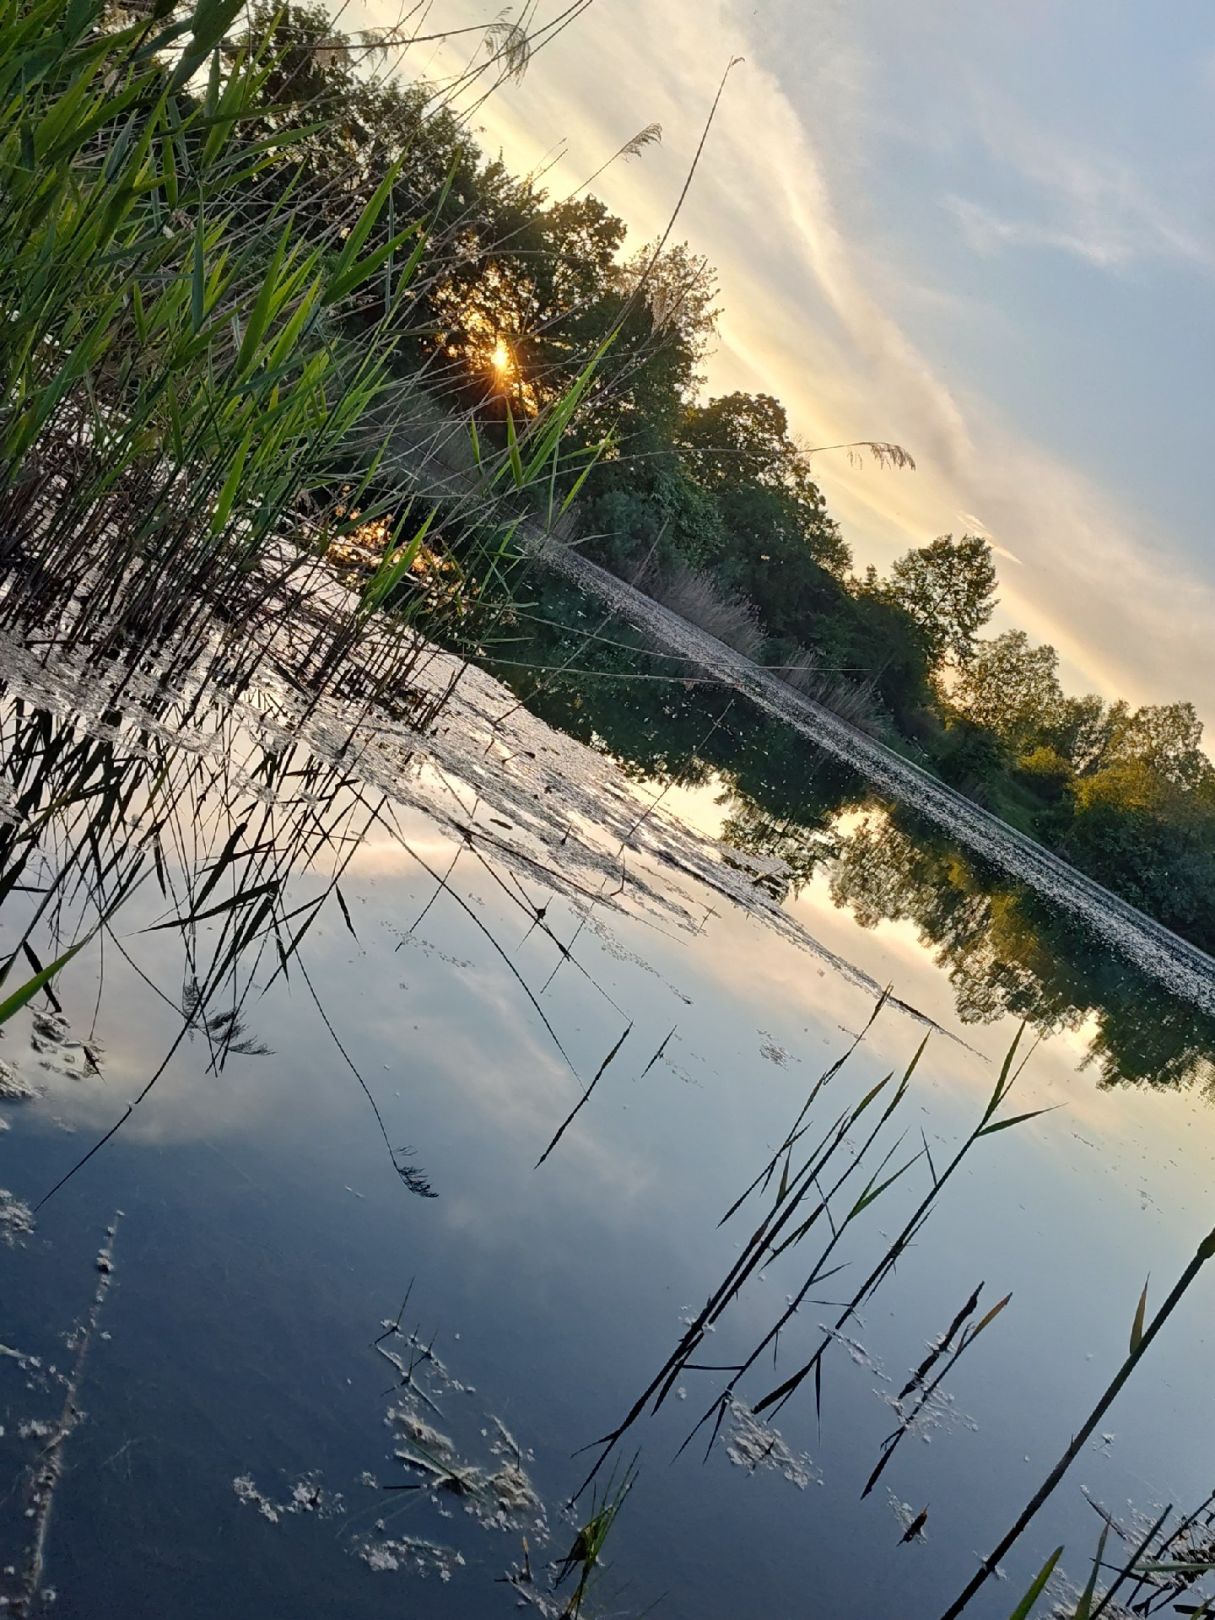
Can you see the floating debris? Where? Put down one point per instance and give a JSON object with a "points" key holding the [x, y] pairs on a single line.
{"points": [[52, 1031], [502, 1498], [247, 1491], [421, 1432], [772, 1051], [753, 1444], [16, 1218], [430, 950], [306, 1496], [509, 1502], [855, 1351], [419, 1556], [910, 1522], [915, 1530], [46, 1473], [936, 1413], [13, 1086]]}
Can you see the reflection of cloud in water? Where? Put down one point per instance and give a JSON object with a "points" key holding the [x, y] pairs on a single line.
{"points": [[553, 819]]}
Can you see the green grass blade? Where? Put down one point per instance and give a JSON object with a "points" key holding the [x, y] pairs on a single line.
{"points": [[14, 1003], [1084, 1608], [1025, 1607]]}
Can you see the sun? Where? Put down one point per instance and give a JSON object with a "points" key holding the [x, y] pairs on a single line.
{"points": [[501, 359]]}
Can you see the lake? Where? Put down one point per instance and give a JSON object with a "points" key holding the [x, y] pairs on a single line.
{"points": [[440, 1069]]}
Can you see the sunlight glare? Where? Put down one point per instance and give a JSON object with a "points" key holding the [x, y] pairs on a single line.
{"points": [[501, 358]]}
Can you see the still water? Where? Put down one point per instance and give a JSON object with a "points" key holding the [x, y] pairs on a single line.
{"points": [[249, 1366]]}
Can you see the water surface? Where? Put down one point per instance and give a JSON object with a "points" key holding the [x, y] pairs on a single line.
{"points": [[511, 903]]}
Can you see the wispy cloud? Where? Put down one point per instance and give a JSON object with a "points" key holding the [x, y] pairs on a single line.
{"points": [[1084, 202], [976, 525]]}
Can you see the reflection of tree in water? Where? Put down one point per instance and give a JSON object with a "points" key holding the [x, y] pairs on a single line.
{"points": [[801, 850], [1006, 949]]}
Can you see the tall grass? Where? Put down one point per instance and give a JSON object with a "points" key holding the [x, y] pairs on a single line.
{"points": [[853, 702], [169, 378], [1142, 1334], [181, 389], [703, 601], [829, 1188], [209, 837]]}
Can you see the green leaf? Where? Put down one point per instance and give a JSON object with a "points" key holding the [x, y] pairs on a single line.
{"points": [[14, 1003], [260, 315], [584, 475], [389, 575], [361, 229], [211, 21], [555, 425], [342, 285], [1025, 1607], [290, 334], [512, 448], [1015, 1119], [1137, 1324], [1003, 1083], [1084, 1609], [198, 277], [227, 496]]}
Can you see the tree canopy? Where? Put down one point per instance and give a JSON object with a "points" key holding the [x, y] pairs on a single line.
{"points": [[949, 589], [1011, 688]]}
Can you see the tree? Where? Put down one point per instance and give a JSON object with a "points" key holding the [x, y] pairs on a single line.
{"points": [[1080, 733], [739, 446], [660, 333], [974, 756], [739, 439], [662, 518], [1012, 688], [1166, 737], [948, 588], [352, 125], [884, 641], [1049, 772]]}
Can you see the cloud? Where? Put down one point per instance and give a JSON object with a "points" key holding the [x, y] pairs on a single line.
{"points": [[976, 525], [1089, 205], [987, 232]]}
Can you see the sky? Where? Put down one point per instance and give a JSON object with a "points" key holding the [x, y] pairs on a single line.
{"points": [[983, 231]]}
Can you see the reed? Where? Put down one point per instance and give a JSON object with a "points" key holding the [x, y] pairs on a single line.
{"points": [[190, 368], [831, 1187], [1141, 1338]]}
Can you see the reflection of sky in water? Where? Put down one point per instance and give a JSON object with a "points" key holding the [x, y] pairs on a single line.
{"points": [[266, 1237]]}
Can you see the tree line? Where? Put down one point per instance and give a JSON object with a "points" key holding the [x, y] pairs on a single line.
{"points": [[711, 503]]}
